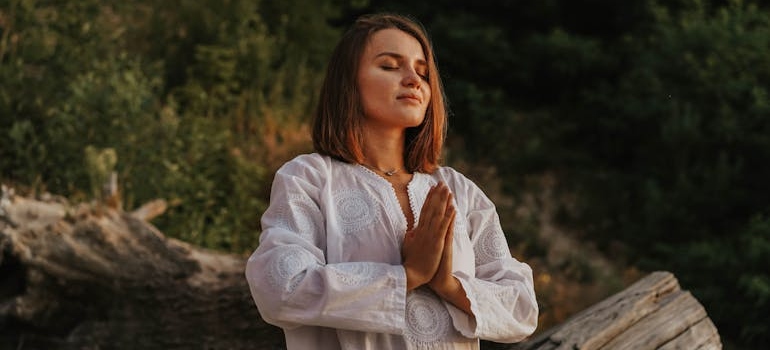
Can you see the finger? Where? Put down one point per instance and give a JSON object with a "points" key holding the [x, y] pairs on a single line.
{"points": [[434, 206], [431, 192], [448, 219], [449, 238], [427, 206], [445, 267], [448, 245], [449, 202], [409, 235]]}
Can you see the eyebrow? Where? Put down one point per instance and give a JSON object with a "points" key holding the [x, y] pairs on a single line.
{"points": [[399, 56]]}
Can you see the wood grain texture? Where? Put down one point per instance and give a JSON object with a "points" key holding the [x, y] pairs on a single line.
{"points": [[653, 313]]}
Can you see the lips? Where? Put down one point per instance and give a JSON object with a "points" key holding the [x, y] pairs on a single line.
{"points": [[410, 96]]}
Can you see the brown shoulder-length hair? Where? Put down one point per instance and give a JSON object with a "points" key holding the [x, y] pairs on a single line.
{"points": [[337, 126]]}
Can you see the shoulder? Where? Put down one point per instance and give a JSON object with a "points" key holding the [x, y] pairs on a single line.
{"points": [[447, 171], [312, 167], [462, 186], [306, 162], [455, 180]]}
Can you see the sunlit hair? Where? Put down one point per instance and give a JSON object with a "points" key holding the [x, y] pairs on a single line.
{"points": [[337, 126]]}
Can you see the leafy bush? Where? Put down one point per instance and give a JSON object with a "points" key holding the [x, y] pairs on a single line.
{"points": [[199, 101], [666, 150]]}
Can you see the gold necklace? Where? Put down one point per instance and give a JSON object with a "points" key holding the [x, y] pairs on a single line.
{"points": [[390, 172]]}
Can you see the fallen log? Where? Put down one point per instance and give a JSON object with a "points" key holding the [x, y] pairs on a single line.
{"points": [[89, 276], [653, 313]]}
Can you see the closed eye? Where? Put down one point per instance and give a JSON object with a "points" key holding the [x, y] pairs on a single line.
{"points": [[422, 73]]}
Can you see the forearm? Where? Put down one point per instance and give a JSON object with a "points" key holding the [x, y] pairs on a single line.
{"points": [[504, 307], [454, 293], [291, 288], [413, 279]]}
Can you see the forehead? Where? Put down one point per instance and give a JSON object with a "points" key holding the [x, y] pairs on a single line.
{"points": [[394, 41]]}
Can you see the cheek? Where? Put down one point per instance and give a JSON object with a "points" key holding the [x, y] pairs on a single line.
{"points": [[364, 96], [370, 88]]}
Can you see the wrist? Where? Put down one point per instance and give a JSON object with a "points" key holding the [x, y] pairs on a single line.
{"points": [[446, 287], [413, 279]]}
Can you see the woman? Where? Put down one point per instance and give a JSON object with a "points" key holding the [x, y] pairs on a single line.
{"points": [[368, 243]]}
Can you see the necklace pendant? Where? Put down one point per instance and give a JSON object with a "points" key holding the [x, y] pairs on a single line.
{"points": [[390, 172]]}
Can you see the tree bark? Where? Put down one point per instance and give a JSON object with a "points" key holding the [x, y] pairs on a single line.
{"points": [[89, 277]]}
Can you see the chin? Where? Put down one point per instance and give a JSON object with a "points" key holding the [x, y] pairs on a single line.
{"points": [[414, 119], [415, 122]]}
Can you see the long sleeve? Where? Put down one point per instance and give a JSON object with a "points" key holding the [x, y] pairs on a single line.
{"points": [[501, 292], [290, 280]]}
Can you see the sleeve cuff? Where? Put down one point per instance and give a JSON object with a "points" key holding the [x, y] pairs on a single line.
{"points": [[399, 296], [466, 324]]}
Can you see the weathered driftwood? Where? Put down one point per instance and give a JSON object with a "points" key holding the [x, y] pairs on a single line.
{"points": [[653, 313], [88, 277]]}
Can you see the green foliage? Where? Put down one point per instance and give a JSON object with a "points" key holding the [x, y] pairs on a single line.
{"points": [[666, 149], [677, 158], [187, 96]]}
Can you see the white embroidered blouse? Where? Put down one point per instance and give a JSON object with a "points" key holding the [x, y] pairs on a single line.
{"points": [[328, 267]]}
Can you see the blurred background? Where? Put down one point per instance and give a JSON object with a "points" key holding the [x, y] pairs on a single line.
{"points": [[616, 137]]}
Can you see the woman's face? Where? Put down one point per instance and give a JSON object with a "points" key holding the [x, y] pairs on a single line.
{"points": [[393, 81]]}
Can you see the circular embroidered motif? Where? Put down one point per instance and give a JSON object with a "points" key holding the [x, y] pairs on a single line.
{"points": [[491, 245], [300, 215], [286, 267], [354, 273], [355, 208], [427, 319]]}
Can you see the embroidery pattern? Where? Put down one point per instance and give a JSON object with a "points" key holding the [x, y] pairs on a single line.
{"points": [[356, 210], [420, 195], [299, 214], [355, 274], [427, 319], [491, 245], [286, 267]]}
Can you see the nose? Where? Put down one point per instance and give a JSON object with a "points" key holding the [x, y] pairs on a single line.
{"points": [[411, 79]]}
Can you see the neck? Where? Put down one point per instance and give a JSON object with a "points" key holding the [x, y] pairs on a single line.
{"points": [[384, 150]]}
